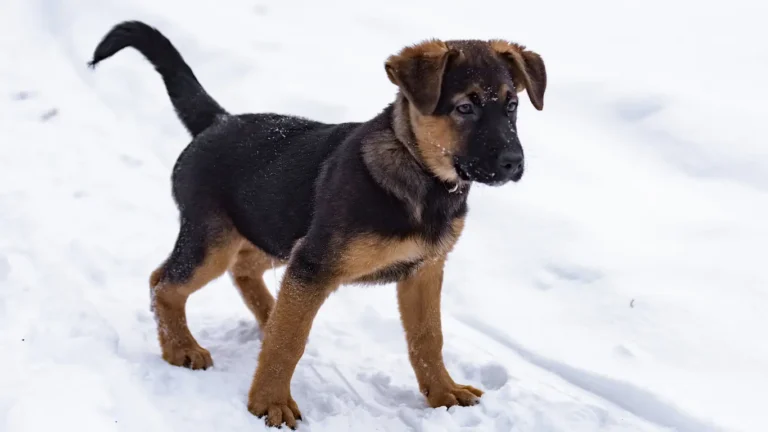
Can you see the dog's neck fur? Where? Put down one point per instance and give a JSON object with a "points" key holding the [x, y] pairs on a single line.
{"points": [[402, 128], [406, 176]]}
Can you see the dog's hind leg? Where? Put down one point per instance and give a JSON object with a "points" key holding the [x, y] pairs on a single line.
{"points": [[247, 272], [203, 252]]}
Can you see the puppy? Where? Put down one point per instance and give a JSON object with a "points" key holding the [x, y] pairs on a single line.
{"points": [[382, 201]]}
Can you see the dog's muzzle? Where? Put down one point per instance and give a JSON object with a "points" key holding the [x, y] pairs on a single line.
{"points": [[507, 166]]}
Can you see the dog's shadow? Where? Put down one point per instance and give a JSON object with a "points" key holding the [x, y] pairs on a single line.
{"points": [[319, 380], [324, 384]]}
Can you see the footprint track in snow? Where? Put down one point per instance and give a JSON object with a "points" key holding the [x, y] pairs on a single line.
{"points": [[627, 396], [5, 268]]}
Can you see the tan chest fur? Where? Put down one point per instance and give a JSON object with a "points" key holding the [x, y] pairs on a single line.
{"points": [[371, 253]]}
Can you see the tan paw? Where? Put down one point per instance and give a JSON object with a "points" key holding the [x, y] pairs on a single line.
{"points": [[456, 394], [275, 413], [192, 357]]}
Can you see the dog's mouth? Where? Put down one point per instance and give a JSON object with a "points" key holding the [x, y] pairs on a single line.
{"points": [[471, 170], [461, 170]]}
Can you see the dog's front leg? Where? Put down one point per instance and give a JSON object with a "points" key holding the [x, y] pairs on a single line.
{"points": [[285, 337], [419, 301]]}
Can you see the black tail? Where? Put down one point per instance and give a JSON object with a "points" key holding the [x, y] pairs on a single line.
{"points": [[194, 106]]}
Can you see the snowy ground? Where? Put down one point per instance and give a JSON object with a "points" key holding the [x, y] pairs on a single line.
{"points": [[621, 286]]}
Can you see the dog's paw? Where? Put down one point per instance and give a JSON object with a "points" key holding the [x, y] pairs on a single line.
{"points": [[456, 394], [192, 357], [275, 413]]}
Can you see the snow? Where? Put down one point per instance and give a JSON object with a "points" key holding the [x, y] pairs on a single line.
{"points": [[619, 287]]}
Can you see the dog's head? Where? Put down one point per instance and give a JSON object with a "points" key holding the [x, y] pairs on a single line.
{"points": [[462, 102]]}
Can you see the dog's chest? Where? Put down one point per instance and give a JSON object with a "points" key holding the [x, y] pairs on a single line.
{"points": [[375, 258], [440, 213], [392, 273]]}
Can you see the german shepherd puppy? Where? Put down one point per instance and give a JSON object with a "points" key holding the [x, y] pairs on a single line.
{"points": [[381, 201]]}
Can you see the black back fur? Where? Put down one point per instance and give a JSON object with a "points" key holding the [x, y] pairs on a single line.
{"points": [[279, 178]]}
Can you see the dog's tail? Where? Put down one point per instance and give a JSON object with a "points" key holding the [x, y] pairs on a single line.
{"points": [[194, 106]]}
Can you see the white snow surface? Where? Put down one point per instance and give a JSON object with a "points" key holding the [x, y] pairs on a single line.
{"points": [[620, 286]]}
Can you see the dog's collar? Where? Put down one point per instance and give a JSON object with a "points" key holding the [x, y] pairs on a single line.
{"points": [[458, 187]]}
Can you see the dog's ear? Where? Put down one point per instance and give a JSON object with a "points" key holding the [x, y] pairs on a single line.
{"points": [[527, 69], [418, 71]]}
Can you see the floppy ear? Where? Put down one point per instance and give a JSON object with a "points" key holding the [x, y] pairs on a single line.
{"points": [[527, 69], [418, 71]]}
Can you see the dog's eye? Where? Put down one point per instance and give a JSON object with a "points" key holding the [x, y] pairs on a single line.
{"points": [[511, 106], [465, 108]]}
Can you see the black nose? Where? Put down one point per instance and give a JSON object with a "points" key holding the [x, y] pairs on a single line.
{"points": [[510, 163]]}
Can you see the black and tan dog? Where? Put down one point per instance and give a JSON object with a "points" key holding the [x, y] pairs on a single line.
{"points": [[376, 202]]}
